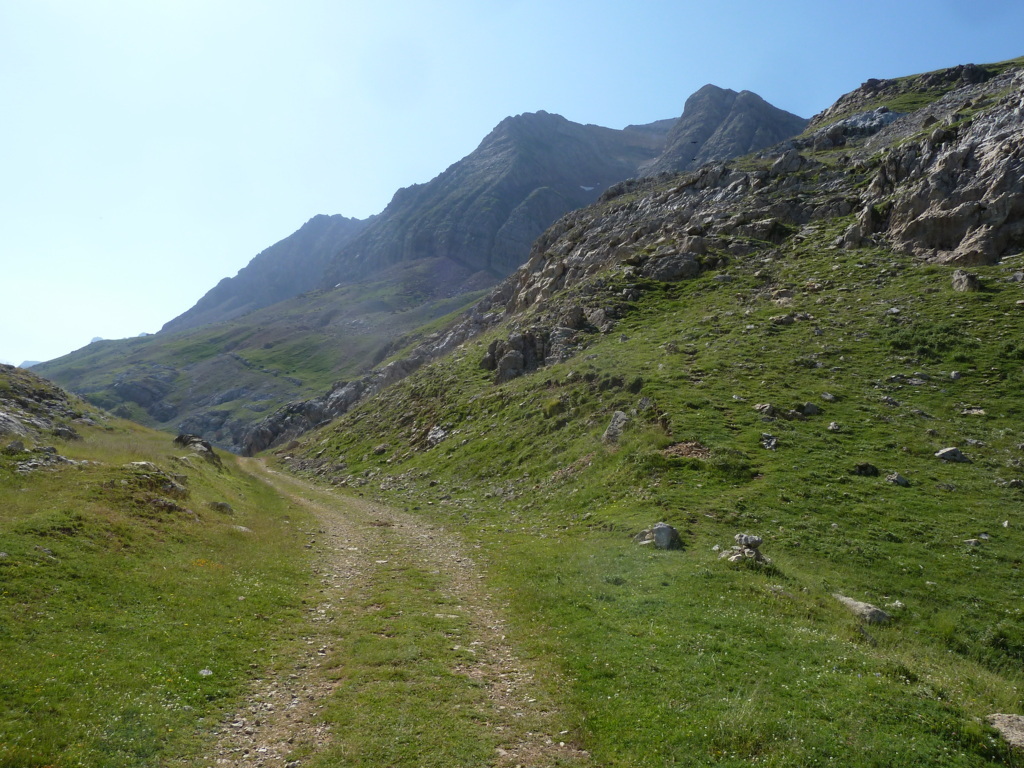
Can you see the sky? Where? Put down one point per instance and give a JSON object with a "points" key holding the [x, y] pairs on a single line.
{"points": [[149, 148]]}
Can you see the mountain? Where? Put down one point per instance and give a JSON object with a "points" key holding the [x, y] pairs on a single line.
{"points": [[806, 362], [718, 124], [332, 300], [942, 183], [485, 211], [287, 268], [812, 354], [480, 216]]}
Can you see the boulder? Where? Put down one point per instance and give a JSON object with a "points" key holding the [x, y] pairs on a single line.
{"points": [[661, 536], [790, 162], [200, 447], [897, 479], [747, 547], [679, 266], [863, 611], [9, 425], [436, 435], [953, 455], [1010, 727], [966, 282], [615, 428]]}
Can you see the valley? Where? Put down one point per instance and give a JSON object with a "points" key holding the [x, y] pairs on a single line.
{"points": [[805, 358]]}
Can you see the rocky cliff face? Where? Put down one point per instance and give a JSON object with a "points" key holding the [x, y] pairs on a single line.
{"points": [[718, 124], [944, 182], [485, 210]]}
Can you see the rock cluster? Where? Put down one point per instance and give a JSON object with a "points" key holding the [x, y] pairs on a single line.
{"points": [[200, 447], [747, 547], [32, 409]]}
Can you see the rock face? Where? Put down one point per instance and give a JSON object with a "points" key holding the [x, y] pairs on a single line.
{"points": [[718, 124], [35, 410], [483, 213], [955, 195]]}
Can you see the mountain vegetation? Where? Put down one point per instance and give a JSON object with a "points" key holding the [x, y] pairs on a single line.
{"points": [[805, 360]]}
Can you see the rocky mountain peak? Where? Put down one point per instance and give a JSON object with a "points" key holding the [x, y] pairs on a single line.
{"points": [[718, 124]]}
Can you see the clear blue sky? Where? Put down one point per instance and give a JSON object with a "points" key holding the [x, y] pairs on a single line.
{"points": [[149, 148]]}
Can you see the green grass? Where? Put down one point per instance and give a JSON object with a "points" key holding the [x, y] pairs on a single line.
{"points": [[111, 605], [295, 349], [679, 658]]}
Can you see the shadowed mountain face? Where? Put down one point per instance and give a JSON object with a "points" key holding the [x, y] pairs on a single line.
{"points": [[485, 211], [480, 216], [718, 124]]}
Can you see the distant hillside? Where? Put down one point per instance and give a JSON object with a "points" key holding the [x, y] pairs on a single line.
{"points": [[287, 268]]}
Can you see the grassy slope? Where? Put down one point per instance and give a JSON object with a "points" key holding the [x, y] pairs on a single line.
{"points": [[111, 606], [679, 658], [295, 349]]}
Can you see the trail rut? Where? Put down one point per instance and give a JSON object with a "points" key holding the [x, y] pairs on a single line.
{"points": [[281, 724]]}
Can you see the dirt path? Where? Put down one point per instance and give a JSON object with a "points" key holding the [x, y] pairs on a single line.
{"points": [[353, 539]]}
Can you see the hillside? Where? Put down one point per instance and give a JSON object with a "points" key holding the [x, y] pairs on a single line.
{"points": [[123, 560], [165, 605], [334, 298], [784, 347]]}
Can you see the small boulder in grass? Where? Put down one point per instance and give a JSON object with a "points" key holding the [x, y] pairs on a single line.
{"points": [[864, 611], [953, 455], [660, 536], [1010, 727]]}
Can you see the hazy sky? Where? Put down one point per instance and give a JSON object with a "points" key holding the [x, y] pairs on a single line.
{"points": [[149, 148]]}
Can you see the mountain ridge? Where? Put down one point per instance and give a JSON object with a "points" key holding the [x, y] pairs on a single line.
{"points": [[328, 302]]}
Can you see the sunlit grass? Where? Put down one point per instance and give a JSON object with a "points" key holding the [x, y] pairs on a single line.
{"points": [[126, 629]]}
